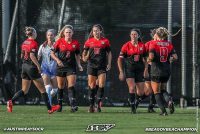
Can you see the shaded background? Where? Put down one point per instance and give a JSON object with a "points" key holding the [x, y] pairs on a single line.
{"points": [[117, 17]]}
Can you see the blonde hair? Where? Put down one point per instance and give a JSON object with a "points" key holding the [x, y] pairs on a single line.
{"points": [[29, 31], [162, 32], [99, 27], [61, 32]]}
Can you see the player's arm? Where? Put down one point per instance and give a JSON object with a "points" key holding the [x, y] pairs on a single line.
{"points": [[120, 64], [54, 49], [39, 53], [35, 61], [109, 56], [53, 56], [174, 56], [78, 58]]}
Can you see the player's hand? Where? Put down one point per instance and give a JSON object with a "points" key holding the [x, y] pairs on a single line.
{"points": [[60, 64], [39, 69], [80, 68], [85, 58], [146, 73], [121, 76], [108, 67]]}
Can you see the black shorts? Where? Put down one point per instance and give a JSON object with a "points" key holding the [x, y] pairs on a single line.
{"points": [[30, 72], [160, 79], [66, 72], [137, 74], [95, 71]]}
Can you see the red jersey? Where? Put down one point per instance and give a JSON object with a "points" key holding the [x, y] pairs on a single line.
{"points": [[97, 50], [133, 54], [162, 51], [66, 51], [27, 47]]}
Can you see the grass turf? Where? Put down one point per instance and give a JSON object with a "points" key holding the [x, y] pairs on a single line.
{"points": [[76, 123]]}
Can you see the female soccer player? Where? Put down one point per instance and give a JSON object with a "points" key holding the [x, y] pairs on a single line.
{"points": [[133, 52], [97, 51], [147, 75], [31, 71], [48, 66], [161, 52], [68, 56]]}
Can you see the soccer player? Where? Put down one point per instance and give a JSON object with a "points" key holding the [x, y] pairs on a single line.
{"points": [[133, 53], [48, 66], [31, 71], [147, 75], [97, 51], [68, 56], [161, 52]]}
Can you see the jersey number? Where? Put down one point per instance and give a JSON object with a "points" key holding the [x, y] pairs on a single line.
{"points": [[67, 54], [163, 54], [136, 58], [96, 51]]}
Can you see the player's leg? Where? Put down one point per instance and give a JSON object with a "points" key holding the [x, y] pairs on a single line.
{"points": [[71, 80], [149, 92], [48, 86], [92, 78], [54, 86], [131, 88], [155, 84], [167, 98], [40, 86], [139, 80], [100, 90], [61, 85], [25, 87]]}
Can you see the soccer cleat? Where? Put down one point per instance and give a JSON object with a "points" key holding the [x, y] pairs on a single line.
{"points": [[9, 106], [171, 107], [53, 109], [98, 109], [91, 109], [74, 109], [163, 114], [150, 109], [133, 109]]}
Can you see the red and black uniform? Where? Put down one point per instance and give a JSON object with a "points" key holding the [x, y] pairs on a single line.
{"points": [[134, 65], [98, 50], [147, 44], [29, 69], [66, 53], [160, 68]]}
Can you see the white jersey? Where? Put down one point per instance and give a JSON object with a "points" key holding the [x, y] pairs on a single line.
{"points": [[45, 52]]}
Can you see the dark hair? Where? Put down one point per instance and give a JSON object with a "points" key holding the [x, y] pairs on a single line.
{"points": [[29, 31], [100, 28], [138, 32], [153, 32]]}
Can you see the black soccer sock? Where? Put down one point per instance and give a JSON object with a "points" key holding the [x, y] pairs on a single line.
{"points": [[18, 94], [159, 101], [165, 96], [72, 96], [46, 100], [60, 96], [152, 100], [91, 95], [132, 99], [100, 94]]}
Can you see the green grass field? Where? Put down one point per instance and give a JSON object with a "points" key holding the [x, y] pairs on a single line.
{"points": [[76, 123]]}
